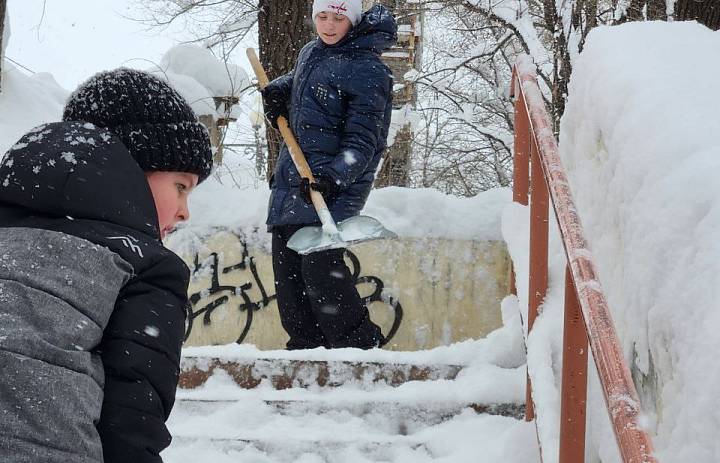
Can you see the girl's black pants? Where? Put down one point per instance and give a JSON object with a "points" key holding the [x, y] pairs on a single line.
{"points": [[318, 302]]}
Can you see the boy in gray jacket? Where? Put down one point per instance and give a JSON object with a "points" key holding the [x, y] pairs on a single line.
{"points": [[92, 306]]}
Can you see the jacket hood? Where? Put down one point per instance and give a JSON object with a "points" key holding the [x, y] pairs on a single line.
{"points": [[376, 31], [71, 169]]}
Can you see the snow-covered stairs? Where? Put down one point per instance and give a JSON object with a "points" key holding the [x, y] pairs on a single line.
{"points": [[348, 407], [289, 373]]}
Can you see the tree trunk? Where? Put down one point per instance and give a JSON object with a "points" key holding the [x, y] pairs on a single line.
{"points": [[650, 10], [703, 11], [656, 10], [284, 27], [3, 5]]}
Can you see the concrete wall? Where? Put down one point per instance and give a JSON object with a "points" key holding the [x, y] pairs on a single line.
{"points": [[425, 292]]}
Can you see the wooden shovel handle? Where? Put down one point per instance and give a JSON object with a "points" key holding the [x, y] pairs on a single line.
{"points": [[295, 152]]}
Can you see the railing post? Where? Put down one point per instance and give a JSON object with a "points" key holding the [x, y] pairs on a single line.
{"points": [[537, 285], [521, 162], [574, 378]]}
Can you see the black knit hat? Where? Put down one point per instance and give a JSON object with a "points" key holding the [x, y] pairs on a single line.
{"points": [[155, 123]]}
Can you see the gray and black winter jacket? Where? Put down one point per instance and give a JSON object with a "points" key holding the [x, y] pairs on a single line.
{"points": [[92, 306]]}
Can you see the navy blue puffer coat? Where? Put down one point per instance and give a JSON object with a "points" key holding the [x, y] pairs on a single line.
{"points": [[339, 99]]}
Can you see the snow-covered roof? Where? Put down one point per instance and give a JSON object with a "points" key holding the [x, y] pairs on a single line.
{"points": [[221, 79]]}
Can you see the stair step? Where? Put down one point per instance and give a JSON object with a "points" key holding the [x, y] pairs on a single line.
{"points": [[285, 449], [247, 431], [426, 413], [286, 373]]}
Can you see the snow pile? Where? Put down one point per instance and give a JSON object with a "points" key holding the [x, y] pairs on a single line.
{"points": [[638, 140], [199, 63], [544, 344], [429, 213], [197, 95], [26, 102], [199, 76], [234, 202]]}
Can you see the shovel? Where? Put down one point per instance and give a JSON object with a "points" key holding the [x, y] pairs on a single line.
{"points": [[330, 235]]}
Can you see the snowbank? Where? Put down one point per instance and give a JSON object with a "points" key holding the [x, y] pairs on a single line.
{"points": [[638, 140], [199, 76], [544, 343], [25, 102], [199, 63], [235, 202]]}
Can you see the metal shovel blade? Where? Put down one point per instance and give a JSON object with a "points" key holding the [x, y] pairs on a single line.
{"points": [[356, 229]]}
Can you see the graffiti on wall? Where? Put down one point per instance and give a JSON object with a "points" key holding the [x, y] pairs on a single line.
{"points": [[218, 296]]}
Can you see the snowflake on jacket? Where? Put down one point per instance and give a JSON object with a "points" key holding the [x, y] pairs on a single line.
{"points": [[339, 101]]}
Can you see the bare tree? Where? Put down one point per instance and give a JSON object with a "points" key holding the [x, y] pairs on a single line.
{"points": [[640, 10], [703, 11], [218, 24], [463, 136]]}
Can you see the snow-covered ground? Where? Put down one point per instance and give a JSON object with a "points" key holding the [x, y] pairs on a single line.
{"points": [[639, 140], [362, 421]]}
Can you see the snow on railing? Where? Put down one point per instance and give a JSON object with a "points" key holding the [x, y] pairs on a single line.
{"points": [[587, 317]]}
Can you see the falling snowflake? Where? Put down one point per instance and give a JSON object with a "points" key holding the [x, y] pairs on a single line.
{"points": [[349, 157], [68, 157], [152, 331]]}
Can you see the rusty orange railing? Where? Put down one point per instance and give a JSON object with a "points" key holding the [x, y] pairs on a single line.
{"points": [[540, 179]]}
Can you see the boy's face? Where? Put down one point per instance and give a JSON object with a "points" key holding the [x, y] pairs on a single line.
{"points": [[331, 27], [170, 191]]}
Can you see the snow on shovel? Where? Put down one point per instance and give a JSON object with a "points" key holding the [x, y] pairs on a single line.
{"points": [[309, 239]]}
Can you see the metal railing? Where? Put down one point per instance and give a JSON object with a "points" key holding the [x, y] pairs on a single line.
{"points": [[540, 178]]}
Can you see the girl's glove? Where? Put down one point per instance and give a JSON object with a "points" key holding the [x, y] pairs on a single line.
{"points": [[274, 105], [323, 184]]}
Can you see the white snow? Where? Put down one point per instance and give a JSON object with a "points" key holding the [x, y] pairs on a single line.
{"points": [[493, 373], [648, 191], [199, 97], [152, 331], [199, 63], [411, 213], [639, 142], [25, 102], [199, 77]]}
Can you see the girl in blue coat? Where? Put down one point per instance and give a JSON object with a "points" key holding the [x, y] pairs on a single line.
{"points": [[338, 104]]}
